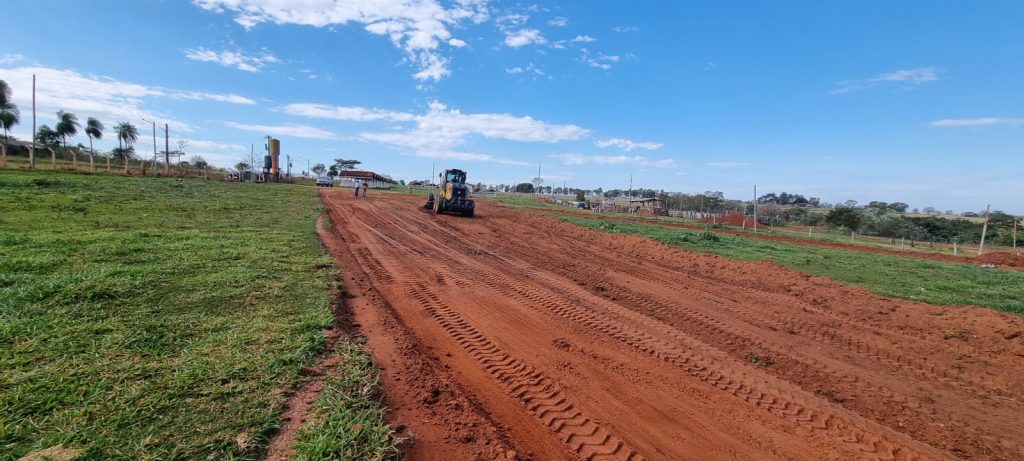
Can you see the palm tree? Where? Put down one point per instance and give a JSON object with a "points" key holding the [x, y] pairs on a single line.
{"points": [[127, 134], [93, 129], [9, 114], [67, 125]]}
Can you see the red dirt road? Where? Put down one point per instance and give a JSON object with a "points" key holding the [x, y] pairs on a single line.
{"points": [[514, 336]]}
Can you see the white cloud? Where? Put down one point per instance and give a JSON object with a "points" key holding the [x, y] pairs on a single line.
{"points": [[530, 69], [558, 21], [511, 20], [105, 98], [524, 37], [217, 153], [11, 58], [583, 39], [219, 97], [456, 43], [917, 76], [440, 131], [626, 29], [984, 121], [417, 27], [600, 61], [627, 145], [238, 60], [728, 164], [297, 131], [636, 160], [359, 114]]}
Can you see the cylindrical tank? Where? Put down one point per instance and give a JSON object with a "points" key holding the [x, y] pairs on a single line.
{"points": [[275, 156], [266, 162]]}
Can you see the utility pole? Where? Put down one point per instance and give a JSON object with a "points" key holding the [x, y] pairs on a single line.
{"points": [[433, 168], [167, 147], [32, 150], [984, 229], [1014, 235], [755, 208]]}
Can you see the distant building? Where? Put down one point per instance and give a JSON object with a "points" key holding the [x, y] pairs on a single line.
{"points": [[375, 181]]}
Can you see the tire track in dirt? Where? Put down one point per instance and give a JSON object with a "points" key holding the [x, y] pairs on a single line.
{"points": [[900, 411], [539, 394], [771, 398], [664, 306]]}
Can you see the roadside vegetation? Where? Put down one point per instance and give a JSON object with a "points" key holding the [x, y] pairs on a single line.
{"points": [[147, 318], [348, 422], [900, 277]]}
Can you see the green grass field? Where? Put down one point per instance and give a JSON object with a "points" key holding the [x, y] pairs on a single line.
{"points": [[908, 278], [145, 318]]}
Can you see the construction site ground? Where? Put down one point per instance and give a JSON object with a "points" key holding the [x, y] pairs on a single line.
{"points": [[515, 336]]}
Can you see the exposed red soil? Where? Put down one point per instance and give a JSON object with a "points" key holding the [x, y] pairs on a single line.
{"points": [[513, 334], [1002, 259], [732, 219], [999, 261]]}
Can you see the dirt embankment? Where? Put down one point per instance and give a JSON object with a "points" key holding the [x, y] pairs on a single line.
{"points": [[512, 335]]}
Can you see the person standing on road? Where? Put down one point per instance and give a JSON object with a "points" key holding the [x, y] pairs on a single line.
{"points": [[357, 189], [365, 186]]}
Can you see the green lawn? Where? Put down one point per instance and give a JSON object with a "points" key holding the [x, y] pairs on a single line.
{"points": [[901, 277], [145, 318]]}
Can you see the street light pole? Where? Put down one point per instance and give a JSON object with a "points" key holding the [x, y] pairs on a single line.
{"points": [[154, 142]]}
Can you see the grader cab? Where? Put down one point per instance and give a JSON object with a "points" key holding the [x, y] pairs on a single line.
{"points": [[453, 196]]}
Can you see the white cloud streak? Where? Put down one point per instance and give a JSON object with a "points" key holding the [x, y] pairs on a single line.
{"points": [[441, 131], [727, 164], [974, 122], [297, 131], [917, 76], [524, 37], [627, 145], [351, 113], [235, 59], [583, 159], [417, 27], [558, 21]]}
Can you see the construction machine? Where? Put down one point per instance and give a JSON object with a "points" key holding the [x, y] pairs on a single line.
{"points": [[453, 195]]}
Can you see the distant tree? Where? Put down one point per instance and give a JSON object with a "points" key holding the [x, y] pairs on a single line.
{"points": [[93, 130], [345, 165], [580, 196], [319, 169], [122, 153], [847, 217], [401, 182], [67, 126], [524, 188], [198, 161], [242, 166], [899, 207], [333, 171], [47, 136], [849, 204], [9, 113], [127, 134]]}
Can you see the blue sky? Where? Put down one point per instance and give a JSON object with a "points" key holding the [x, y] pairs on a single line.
{"points": [[914, 101]]}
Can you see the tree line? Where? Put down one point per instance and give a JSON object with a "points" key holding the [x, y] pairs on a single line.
{"points": [[67, 126]]}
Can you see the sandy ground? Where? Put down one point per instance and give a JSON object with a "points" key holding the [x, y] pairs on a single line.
{"points": [[514, 336]]}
